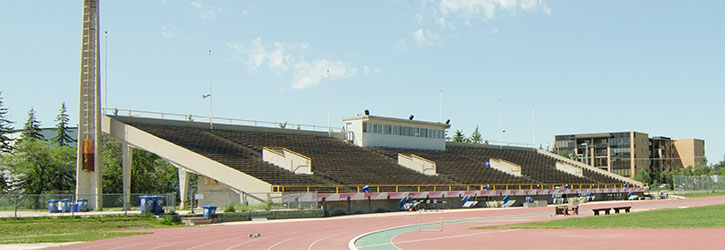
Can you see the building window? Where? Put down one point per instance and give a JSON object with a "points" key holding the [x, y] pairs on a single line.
{"points": [[424, 132]]}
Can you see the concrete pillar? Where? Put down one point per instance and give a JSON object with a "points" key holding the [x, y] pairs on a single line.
{"points": [[183, 187], [126, 170]]}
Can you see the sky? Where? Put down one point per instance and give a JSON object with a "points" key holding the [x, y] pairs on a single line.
{"points": [[553, 67]]}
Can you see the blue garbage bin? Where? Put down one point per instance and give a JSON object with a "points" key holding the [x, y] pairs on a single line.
{"points": [[146, 203], [82, 205], [74, 207], [159, 203], [52, 206], [209, 211], [64, 205]]}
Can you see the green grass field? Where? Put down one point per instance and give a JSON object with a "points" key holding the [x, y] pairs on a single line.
{"points": [[69, 229], [703, 194], [695, 217]]}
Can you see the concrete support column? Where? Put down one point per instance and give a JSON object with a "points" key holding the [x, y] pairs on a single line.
{"points": [[126, 169], [183, 187]]}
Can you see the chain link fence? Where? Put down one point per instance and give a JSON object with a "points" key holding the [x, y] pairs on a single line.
{"points": [[699, 183], [256, 201], [33, 205]]}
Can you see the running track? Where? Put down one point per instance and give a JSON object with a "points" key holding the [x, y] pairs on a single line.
{"points": [[399, 230]]}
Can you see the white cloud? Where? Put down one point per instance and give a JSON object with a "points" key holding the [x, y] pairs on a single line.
{"points": [[206, 12], [494, 30], [424, 37], [311, 73], [163, 1], [366, 69], [419, 18], [169, 32], [401, 44], [487, 9], [281, 58]]}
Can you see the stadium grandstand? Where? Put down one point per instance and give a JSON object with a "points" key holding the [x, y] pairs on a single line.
{"points": [[371, 158]]}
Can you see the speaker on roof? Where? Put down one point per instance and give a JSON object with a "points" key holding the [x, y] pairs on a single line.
{"points": [[367, 112], [410, 118], [448, 121]]}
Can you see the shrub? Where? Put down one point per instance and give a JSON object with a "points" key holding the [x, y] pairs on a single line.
{"points": [[171, 219], [229, 209]]}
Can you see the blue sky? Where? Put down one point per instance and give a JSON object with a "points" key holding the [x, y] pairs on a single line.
{"points": [[581, 64]]}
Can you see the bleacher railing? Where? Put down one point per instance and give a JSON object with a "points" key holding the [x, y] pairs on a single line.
{"points": [[218, 120], [441, 187]]}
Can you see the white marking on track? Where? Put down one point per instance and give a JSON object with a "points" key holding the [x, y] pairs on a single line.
{"points": [[275, 244], [315, 242]]}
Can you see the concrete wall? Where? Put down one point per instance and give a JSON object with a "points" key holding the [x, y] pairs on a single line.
{"points": [[288, 160], [418, 164], [505, 166], [569, 168]]}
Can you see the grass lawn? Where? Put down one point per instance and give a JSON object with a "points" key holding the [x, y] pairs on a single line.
{"points": [[704, 194], [695, 217], [68, 229]]}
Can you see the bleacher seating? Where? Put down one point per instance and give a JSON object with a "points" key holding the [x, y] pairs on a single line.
{"points": [[336, 162], [458, 167], [539, 168]]}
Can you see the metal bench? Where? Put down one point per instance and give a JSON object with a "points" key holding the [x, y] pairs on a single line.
{"points": [[626, 209], [597, 210]]}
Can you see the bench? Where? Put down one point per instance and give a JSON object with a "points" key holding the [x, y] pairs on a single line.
{"points": [[626, 209], [597, 210], [564, 210]]}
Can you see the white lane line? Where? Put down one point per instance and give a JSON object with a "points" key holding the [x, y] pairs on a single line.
{"points": [[275, 244], [455, 236], [313, 243]]}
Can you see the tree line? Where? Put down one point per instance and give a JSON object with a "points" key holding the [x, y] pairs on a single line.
{"points": [[32, 164]]}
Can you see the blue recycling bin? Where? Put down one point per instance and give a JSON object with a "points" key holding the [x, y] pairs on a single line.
{"points": [[64, 205], [146, 203], [52, 206], [209, 211], [74, 208], [159, 203], [82, 205]]}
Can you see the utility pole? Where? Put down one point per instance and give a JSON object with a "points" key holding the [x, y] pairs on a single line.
{"points": [[533, 126], [105, 70], [211, 126], [329, 128], [440, 117]]}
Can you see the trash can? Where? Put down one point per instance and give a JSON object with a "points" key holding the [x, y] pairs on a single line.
{"points": [[209, 211], [64, 205], [159, 202], [52, 206], [146, 203], [74, 207], [82, 205]]}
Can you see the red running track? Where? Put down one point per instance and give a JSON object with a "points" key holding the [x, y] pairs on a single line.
{"points": [[337, 232]]}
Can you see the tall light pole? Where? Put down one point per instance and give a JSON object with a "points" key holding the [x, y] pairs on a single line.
{"points": [[500, 129], [533, 125], [211, 126], [329, 129], [105, 70], [440, 117]]}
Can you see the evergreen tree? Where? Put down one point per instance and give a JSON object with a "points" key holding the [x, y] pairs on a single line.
{"points": [[476, 136], [61, 128], [31, 129], [459, 136], [5, 128]]}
